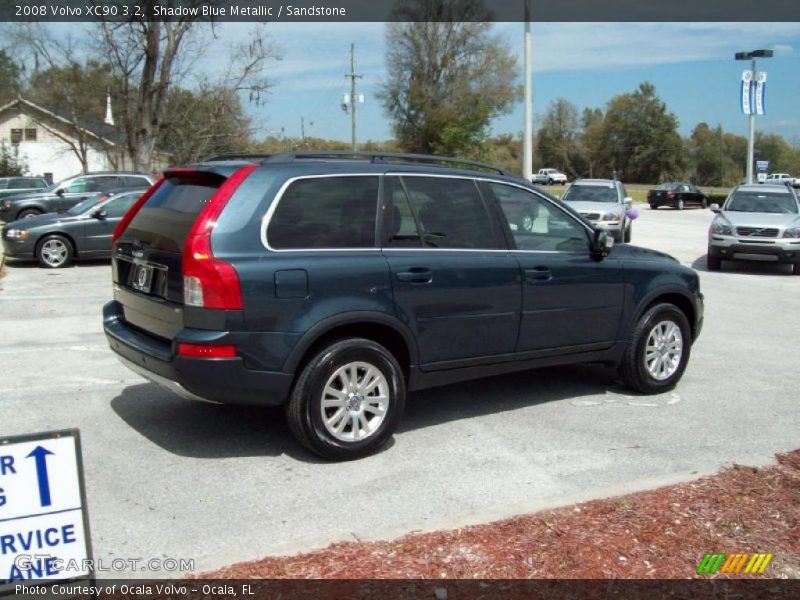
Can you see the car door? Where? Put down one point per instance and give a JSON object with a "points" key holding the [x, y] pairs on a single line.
{"points": [[570, 301], [100, 224], [455, 283]]}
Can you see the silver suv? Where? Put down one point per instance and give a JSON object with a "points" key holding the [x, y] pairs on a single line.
{"points": [[605, 203], [756, 222]]}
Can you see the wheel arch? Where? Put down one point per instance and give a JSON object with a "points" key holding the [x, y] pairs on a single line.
{"points": [[37, 207], [378, 327], [675, 296]]}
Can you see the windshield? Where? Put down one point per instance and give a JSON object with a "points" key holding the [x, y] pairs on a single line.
{"points": [[667, 186], [761, 202], [590, 193], [85, 205]]}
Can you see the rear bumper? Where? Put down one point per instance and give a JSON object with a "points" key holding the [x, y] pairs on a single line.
{"points": [[784, 252], [225, 381]]}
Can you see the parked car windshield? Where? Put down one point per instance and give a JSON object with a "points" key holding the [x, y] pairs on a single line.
{"points": [[760, 202], [590, 193], [84, 205]]}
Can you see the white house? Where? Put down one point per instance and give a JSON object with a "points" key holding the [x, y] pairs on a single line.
{"points": [[52, 144]]}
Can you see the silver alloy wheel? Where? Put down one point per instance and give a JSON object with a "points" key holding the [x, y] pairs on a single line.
{"points": [[664, 350], [355, 401], [680, 205], [54, 252]]}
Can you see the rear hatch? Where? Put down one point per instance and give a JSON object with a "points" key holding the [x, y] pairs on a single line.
{"points": [[148, 255]]}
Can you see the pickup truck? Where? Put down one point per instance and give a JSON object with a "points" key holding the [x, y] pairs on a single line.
{"points": [[783, 178], [549, 177]]}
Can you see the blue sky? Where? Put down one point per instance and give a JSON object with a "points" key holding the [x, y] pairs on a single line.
{"points": [[691, 65]]}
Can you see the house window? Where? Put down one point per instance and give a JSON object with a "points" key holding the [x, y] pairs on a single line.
{"points": [[16, 136], [30, 134]]}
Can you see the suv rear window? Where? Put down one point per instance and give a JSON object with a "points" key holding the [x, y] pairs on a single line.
{"points": [[166, 218], [326, 212]]}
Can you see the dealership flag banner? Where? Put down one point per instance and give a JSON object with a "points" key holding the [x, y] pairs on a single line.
{"points": [[761, 88], [753, 92]]}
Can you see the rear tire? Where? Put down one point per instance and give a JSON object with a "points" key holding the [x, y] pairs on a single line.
{"points": [[348, 400], [796, 268], [681, 205], [713, 263], [658, 351], [653, 207], [628, 234], [704, 202], [550, 182], [55, 252]]}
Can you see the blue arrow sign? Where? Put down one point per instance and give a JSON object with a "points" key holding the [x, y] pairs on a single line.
{"points": [[40, 455]]}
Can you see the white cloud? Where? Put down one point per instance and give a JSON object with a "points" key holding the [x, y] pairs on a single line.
{"points": [[575, 46]]}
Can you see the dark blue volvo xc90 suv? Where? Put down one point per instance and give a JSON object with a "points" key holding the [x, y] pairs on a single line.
{"points": [[333, 284]]}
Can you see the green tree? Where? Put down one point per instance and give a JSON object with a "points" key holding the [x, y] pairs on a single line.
{"points": [[642, 138], [202, 122], [448, 77], [558, 138], [10, 78], [592, 142], [775, 149], [11, 164]]}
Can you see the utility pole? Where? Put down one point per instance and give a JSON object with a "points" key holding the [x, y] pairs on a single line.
{"points": [[527, 137], [751, 124], [353, 97]]}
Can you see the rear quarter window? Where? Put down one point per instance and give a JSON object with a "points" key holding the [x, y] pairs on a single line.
{"points": [[169, 214], [325, 213]]}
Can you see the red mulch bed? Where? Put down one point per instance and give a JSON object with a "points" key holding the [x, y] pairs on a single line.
{"points": [[661, 534]]}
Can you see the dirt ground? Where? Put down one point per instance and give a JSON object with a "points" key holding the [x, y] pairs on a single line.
{"points": [[658, 534]]}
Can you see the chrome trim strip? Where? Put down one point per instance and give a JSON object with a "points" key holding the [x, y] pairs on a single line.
{"points": [[173, 386], [265, 220]]}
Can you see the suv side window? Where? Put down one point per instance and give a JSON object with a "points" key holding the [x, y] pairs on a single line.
{"points": [[102, 184], [400, 227], [536, 224], [133, 181], [451, 213], [326, 212]]}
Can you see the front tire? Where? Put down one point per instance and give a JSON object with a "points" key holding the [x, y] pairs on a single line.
{"points": [[55, 252], [628, 234], [348, 400], [796, 268], [28, 213], [713, 263], [658, 351], [550, 182]]}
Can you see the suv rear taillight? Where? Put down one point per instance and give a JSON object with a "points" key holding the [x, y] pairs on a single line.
{"points": [[128, 216], [209, 282]]}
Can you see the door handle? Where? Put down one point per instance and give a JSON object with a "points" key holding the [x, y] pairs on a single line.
{"points": [[536, 274], [419, 275]]}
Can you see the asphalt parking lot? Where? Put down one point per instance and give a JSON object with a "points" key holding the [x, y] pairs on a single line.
{"points": [[171, 478]]}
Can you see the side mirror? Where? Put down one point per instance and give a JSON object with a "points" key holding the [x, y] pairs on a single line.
{"points": [[628, 201], [100, 214], [59, 192], [715, 208], [601, 244]]}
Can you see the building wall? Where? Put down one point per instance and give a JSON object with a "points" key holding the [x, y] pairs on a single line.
{"points": [[48, 154]]}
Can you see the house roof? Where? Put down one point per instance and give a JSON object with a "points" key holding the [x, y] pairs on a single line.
{"points": [[94, 127]]}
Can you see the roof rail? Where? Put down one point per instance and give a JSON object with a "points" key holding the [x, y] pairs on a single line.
{"points": [[236, 156], [386, 157]]}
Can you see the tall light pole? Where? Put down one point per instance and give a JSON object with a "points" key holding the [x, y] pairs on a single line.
{"points": [[751, 126], [527, 136]]}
